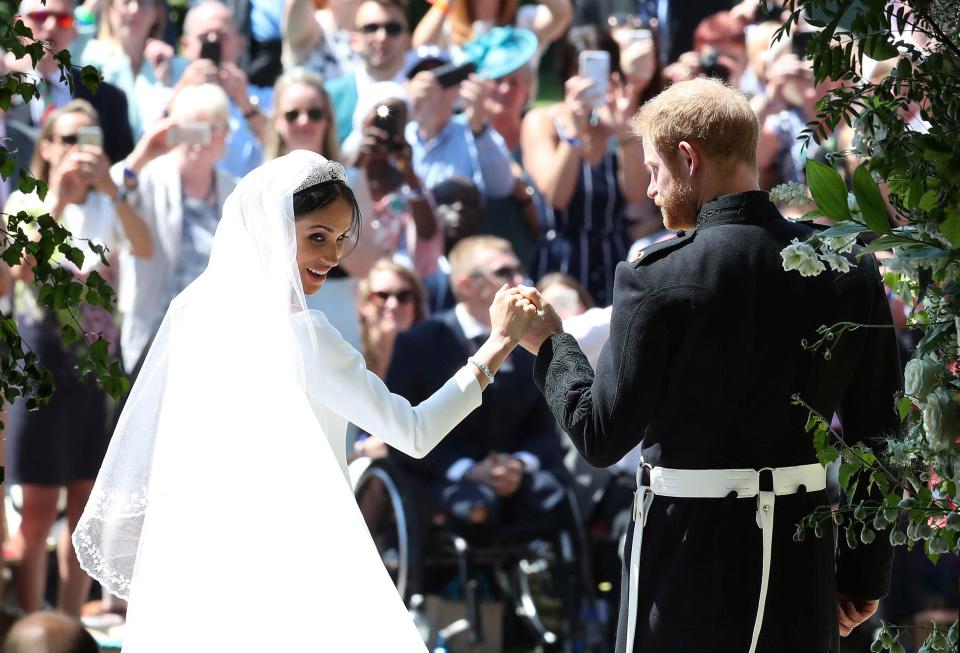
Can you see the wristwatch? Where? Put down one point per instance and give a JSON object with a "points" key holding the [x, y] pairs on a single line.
{"points": [[130, 181]]}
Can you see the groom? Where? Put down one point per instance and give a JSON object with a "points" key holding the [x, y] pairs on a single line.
{"points": [[703, 358]]}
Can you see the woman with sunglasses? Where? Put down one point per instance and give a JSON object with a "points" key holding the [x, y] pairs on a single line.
{"points": [[62, 444], [302, 117], [392, 299]]}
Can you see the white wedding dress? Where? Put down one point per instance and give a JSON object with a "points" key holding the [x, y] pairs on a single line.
{"points": [[223, 510]]}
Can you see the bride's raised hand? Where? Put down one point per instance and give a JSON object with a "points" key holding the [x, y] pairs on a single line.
{"points": [[511, 314]]}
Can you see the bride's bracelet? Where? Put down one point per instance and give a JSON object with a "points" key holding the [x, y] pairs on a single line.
{"points": [[482, 367]]}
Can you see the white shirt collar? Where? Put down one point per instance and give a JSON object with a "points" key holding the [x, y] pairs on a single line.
{"points": [[470, 325]]}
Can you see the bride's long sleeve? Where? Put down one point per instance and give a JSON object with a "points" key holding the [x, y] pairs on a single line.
{"points": [[361, 397]]}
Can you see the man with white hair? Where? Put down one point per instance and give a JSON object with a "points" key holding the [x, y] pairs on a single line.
{"points": [[53, 21], [180, 193]]}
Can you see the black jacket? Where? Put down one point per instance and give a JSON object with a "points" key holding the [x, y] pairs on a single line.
{"points": [[704, 356], [513, 416]]}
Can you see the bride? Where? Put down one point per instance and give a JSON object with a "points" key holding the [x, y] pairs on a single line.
{"points": [[222, 510]]}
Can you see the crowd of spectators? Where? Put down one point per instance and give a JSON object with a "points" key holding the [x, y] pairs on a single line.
{"points": [[518, 171]]}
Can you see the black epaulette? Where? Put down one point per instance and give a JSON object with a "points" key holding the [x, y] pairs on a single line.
{"points": [[659, 250]]}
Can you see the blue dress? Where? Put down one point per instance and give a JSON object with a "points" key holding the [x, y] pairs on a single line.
{"points": [[588, 238]]}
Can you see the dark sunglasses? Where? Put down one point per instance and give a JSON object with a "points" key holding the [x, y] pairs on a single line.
{"points": [[392, 28], [507, 273], [64, 20], [382, 296], [314, 114]]}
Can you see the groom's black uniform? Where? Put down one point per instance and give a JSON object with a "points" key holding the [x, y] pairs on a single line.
{"points": [[703, 358]]}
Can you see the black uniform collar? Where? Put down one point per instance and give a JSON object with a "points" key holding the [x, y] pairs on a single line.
{"points": [[751, 206]]}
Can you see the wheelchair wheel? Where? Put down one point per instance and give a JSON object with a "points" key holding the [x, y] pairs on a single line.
{"points": [[389, 509]]}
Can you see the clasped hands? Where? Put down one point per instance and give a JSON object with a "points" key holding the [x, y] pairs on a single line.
{"points": [[520, 315]]}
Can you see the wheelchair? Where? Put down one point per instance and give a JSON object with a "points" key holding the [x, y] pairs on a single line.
{"points": [[545, 581]]}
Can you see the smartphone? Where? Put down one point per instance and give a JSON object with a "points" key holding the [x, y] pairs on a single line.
{"points": [[595, 64], [190, 133], [92, 136], [452, 74], [210, 50], [798, 43]]}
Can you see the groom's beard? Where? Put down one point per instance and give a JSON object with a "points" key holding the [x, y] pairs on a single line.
{"points": [[678, 205]]}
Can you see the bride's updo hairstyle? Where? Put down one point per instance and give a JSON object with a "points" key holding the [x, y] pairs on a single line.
{"points": [[319, 195]]}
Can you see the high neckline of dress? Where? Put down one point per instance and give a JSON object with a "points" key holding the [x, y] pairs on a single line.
{"points": [[749, 206]]}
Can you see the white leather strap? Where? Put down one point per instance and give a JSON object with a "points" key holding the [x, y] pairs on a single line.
{"points": [[641, 510], [765, 503], [717, 483]]}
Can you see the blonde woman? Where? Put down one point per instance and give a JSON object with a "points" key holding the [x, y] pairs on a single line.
{"points": [[392, 299], [179, 189], [62, 444], [303, 117]]}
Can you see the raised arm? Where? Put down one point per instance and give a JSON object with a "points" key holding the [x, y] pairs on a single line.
{"points": [[551, 24], [301, 31], [363, 398], [605, 413], [429, 30]]}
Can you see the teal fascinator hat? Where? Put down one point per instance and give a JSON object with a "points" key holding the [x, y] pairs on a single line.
{"points": [[500, 51]]}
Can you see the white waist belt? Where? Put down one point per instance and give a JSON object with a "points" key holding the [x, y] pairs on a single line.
{"points": [[717, 484]]}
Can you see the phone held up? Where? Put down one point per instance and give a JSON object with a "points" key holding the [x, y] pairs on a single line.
{"points": [[452, 74], [387, 120], [190, 133], [210, 49], [595, 64], [90, 136]]}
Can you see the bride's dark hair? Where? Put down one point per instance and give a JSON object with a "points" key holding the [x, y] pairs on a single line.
{"points": [[320, 195]]}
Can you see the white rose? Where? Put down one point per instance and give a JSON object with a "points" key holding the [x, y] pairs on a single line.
{"points": [[941, 419], [835, 261], [801, 257], [920, 377]]}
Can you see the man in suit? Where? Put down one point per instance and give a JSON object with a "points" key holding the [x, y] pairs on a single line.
{"points": [[703, 358], [499, 472], [381, 40], [54, 22]]}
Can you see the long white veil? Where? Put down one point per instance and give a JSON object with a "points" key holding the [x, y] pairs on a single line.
{"points": [[220, 510]]}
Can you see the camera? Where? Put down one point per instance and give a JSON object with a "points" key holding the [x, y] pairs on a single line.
{"points": [[710, 66], [210, 50], [452, 74]]}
